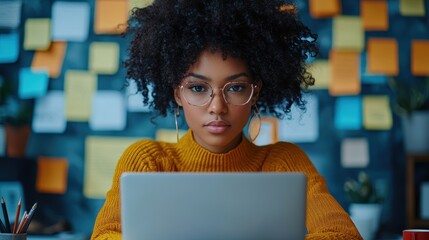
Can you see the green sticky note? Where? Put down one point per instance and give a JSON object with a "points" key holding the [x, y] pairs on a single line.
{"points": [[104, 57], [348, 33], [37, 34], [412, 8]]}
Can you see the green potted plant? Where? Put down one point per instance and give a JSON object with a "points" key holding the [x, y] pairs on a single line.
{"points": [[411, 103], [366, 204], [15, 116]]}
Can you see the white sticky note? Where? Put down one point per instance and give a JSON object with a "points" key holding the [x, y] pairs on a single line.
{"points": [[304, 126], [10, 14], [70, 21], [49, 113], [108, 111], [354, 153], [135, 99]]}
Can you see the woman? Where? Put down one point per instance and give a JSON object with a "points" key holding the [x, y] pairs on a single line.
{"points": [[220, 61]]}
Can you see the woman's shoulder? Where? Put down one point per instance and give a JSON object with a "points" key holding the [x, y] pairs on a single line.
{"points": [[149, 146], [148, 154], [286, 147], [285, 156]]}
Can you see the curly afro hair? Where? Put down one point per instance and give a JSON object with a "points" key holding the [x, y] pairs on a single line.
{"points": [[169, 35]]}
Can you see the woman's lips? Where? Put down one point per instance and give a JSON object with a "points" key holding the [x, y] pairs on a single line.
{"points": [[217, 126]]}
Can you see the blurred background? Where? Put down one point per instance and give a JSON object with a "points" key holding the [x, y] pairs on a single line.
{"points": [[66, 113]]}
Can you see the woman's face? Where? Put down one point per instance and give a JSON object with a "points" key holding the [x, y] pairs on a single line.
{"points": [[216, 125]]}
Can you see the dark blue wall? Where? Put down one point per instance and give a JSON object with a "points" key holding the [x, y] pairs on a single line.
{"points": [[387, 158]]}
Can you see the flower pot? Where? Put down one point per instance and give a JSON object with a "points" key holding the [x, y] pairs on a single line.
{"points": [[416, 132], [16, 140], [366, 217]]}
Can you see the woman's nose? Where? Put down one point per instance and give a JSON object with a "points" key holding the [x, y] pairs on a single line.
{"points": [[218, 105]]}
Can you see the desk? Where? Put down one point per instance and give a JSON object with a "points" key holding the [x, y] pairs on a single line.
{"points": [[60, 236]]}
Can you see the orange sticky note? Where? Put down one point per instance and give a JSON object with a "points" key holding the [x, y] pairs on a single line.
{"points": [[382, 56], [51, 175], [110, 16], [420, 57], [51, 59], [374, 15], [345, 74], [324, 8]]}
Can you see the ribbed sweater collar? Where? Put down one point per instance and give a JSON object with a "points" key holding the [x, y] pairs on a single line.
{"points": [[194, 158]]}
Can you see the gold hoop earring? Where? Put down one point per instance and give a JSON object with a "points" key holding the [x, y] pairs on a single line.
{"points": [[177, 115], [254, 126]]}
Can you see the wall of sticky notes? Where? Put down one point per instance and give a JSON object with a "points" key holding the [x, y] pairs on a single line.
{"points": [[66, 57]]}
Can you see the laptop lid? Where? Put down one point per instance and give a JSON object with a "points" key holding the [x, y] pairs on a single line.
{"points": [[187, 206]]}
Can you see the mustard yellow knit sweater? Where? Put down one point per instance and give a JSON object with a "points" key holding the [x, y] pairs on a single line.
{"points": [[326, 219]]}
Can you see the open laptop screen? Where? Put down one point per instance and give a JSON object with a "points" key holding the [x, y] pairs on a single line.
{"points": [[235, 206]]}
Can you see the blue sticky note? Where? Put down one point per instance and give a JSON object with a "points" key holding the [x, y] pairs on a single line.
{"points": [[9, 47], [32, 84], [370, 78], [70, 21], [348, 113], [10, 12]]}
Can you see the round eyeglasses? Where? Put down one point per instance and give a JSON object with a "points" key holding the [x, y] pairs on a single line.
{"points": [[199, 93]]}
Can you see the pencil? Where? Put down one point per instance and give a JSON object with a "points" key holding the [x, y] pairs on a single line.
{"points": [[21, 224], [5, 215], [30, 216], [2, 227], [15, 224]]}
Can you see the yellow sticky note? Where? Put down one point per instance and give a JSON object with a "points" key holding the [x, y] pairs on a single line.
{"points": [[101, 157], [324, 8], [321, 71], [37, 34], [348, 33], [51, 175], [80, 87], [51, 59], [374, 15], [104, 57], [377, 114], [420, 57], [412, 7], [110, 16], [382, 56], [345, 73], [139, 3], [168, 135]]}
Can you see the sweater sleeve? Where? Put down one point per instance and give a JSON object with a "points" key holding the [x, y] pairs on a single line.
{"points": [[108, 222], [326, 219]]}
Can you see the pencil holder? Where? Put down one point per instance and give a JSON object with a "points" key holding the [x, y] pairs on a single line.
{"points": [[13, 236]]}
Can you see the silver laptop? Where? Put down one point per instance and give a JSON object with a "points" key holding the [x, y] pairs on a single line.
{"points": [[195, 206]]}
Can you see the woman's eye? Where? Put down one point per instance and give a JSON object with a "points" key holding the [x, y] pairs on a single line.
{"points": [[236, 88], [198, 88]]}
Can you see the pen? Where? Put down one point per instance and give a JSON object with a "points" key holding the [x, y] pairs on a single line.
{"points": [[5, 215], [15, 224]]}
